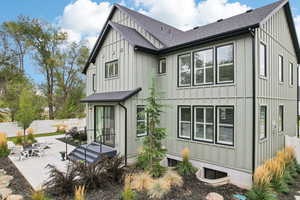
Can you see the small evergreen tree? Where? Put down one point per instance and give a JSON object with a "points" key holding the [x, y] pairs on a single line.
{"points": [[153, 152]]}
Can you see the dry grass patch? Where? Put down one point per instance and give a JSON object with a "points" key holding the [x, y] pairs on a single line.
{"points": [[173, 178], [159, 188], [141, 181]]}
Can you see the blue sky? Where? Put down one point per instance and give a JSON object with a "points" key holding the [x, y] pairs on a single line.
{"points": [[83, 19]]}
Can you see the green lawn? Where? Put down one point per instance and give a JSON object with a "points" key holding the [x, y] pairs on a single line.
{"points": [[38, 135]]}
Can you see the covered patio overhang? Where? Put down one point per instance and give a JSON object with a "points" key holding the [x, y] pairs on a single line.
{"points": [[114, 97]]}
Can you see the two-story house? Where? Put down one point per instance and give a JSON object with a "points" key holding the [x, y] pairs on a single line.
{"points": [[230, 87]]}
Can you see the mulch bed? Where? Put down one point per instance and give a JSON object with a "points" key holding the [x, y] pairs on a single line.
{"points": [[19, 185]]}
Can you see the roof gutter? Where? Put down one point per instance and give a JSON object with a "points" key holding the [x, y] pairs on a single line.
{"points": [[209, 39]]}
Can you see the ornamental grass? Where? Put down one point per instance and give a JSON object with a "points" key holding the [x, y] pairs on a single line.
{"points": [[79, 193]]}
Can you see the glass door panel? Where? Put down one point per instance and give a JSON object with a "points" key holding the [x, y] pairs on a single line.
{"points": [[105, 125]]}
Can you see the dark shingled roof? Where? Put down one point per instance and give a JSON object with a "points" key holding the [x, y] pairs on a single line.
{"points": [[132, 36], [244, 20], [165, 33], [174, 39], [117, 96]]}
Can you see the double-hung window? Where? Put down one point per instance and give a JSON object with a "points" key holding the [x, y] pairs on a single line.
{"points": [[141, 121], [111, 69], [94, 82], [262, 60], [263, 122], [281, 118], [185, 122], [203, 67], [184, 70], [280, 68], [225, 125], [162, 67], [203, 123], [225, 64], [291, 71]]}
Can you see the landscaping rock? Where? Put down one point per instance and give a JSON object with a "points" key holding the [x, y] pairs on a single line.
{"points": [[214, 196], [6, 178], [2, 172], [14, 197], [5, 181], [5, 192]]}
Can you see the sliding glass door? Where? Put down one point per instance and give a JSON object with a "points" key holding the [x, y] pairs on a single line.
{"points": [[105, 125]]}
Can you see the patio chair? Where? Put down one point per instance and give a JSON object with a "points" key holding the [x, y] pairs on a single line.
{"points": [[19, 153], [10, 145]]}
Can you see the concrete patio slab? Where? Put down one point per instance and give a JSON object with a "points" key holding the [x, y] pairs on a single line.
{"points": [[34, 169]]}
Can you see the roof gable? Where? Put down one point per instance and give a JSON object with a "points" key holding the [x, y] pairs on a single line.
{"points": [[173, 39]]}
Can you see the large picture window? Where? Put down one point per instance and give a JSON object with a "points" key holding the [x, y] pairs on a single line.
{"points": [[291, 71], [111, 69], [204, 123], [262, 60], [281, 118], [263, 122], [203, 67], [280, 69], [141, 121], [184, 69], [225, 64], [225, 125], [184, 122]]}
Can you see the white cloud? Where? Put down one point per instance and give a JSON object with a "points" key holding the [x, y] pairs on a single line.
{"points": [[84, 19], [187, 14], [297, 24]]}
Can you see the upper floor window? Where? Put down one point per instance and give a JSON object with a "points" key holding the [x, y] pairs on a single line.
{"points": [[263, 60], [203, 67], [280, 69], [291, 69], [204, 123], [225, 125], [111, 69], [225, 64], [185, 121], [280, 118], [162, 67], [94, 82], [263, 122], [141, 121], [184, 70]]}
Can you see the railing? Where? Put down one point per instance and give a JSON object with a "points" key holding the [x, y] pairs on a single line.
{"points": [[105, 136]]}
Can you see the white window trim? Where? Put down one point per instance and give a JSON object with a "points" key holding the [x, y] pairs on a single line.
{"points": [[160, 71], [266, 122], [184, 122], [265, 71], [204, 123], [203, 68], [114, 74], [282, 118], [179, 70], [224, 125], [144, 121], [224, 65], [94, 89], [280, 69], [291, 74]]}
